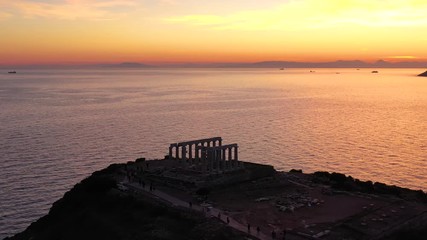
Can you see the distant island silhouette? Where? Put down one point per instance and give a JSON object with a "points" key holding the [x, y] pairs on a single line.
{"points": [[424, 74], [283, 64], [263, 64], [128, 65]]}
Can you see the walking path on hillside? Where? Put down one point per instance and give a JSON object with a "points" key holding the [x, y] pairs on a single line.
{"points": [[209, 211]]}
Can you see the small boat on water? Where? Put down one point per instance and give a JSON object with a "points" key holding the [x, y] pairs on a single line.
{"points": [[12, 72], [282, 68], [374, 72]]}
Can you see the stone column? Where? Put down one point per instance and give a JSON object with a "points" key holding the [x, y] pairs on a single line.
{"points": [[184, 155], [224, 156], [200, 155], [220, 142], [219, 158], [170, 151], [190, 152], [223, 159], [212, 158], [204, 159], [236, 158], [230, 158], [176, 152]]}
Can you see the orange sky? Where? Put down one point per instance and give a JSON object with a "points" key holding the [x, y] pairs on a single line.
{"points": [[95, 31]]}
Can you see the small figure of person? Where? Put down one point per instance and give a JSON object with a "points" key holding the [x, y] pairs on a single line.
{"points": [[249, 228], [257, 230], [219, 215], [190, 204], [228, 220]]}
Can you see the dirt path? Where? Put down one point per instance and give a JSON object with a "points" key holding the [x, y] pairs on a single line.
{"points": [[207, 210]]}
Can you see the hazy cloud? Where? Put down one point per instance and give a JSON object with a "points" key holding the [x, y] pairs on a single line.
{"points": [[315, 14], [69, 9], [402, 57], [4, 15]]}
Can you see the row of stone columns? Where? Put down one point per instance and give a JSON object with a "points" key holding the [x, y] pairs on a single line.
{"points": [[182, 153], [206, 154], [221, 158]]}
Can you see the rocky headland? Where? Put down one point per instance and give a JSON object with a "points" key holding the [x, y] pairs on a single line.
{"points": [[424, 74], [150, 200]]}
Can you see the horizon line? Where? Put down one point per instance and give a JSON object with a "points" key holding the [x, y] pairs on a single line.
{"points": [[257, 64]]}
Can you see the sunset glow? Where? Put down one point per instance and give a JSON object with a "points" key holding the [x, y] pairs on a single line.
{"points": [[95, 31]]}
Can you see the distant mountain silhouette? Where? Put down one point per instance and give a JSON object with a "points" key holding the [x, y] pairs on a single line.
{"points": [[263, 64], [129, 65], [335, 64], [382, 64], [290, 64]]}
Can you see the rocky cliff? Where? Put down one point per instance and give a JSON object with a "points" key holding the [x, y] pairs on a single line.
{"points": [[96, 209]]}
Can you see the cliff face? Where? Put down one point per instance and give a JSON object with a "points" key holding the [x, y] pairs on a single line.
{"points": [[95, 209]]}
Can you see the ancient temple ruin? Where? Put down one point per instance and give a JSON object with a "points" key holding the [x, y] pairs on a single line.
{"points": [[205, 155]]}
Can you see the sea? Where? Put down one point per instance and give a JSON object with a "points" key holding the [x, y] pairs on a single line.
{"points": [[57, 126]]}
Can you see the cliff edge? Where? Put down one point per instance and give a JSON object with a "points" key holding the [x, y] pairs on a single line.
{"points": [[151, 200], [97, 209]]}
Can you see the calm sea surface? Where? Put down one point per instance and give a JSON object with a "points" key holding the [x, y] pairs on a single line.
{"points": [[58, 126]]}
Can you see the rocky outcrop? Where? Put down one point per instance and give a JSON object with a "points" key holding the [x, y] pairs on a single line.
{"points": [[101, 207], [348, 183], [424, 74], [96, 209]]}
